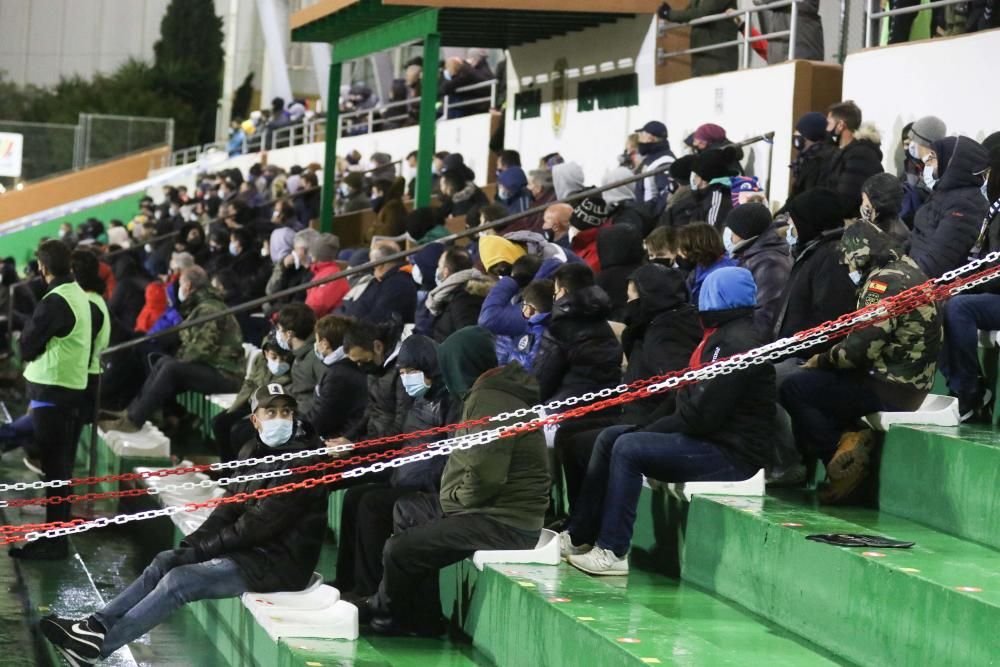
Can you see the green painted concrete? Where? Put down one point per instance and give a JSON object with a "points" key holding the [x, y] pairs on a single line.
{"points": [[866, 608], [946, 478], [21, 245]]}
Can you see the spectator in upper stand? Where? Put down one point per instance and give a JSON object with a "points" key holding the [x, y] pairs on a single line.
{"points": [[271, 366], [808, 31], [720, 430], [662, 247], [391, 292], [946, 226], [541, 191], [324, 299], [66, 235], [818, 288], [342, 392], [567, 179], [294, 332], [351, 194], [588, 218], [293, 270], [129, 297], [476, 58], [622, 206], [579, 351], [555, 223], [423, 269], [512, 190], [283, 236], [750, 239], [459, 74], [709, 136], [506, 159], [710, 172], [247, 263], [619, 248], [700, 251], [706, 34], [814, 152], [461, 194], [210, 358], [374, 349], [450, 306], [307, 204], [387, 202], [881, 200], [887, 366], [654, 149], [859, 155]]}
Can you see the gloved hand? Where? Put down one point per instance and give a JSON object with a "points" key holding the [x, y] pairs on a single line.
{"points": [[664, 12]]}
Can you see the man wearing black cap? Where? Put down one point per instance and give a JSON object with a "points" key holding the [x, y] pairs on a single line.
{"points": [[654, 149], [752, 240], [814, 153], [263, 544]]}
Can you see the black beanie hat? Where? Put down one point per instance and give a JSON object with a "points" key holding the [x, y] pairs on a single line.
{"points": [[713, 163], [589, 213], [885, 192], [749, 220], [814, 212]]}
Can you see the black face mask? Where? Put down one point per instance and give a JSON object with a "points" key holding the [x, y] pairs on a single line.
{"points": [[633, 312], [648, 148], [370, 368], [833, 136], [549, 235], [685, 264], [798, 142]]}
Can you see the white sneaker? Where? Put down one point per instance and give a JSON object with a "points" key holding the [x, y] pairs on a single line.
{"points": [[567, 548], [602, 562]]}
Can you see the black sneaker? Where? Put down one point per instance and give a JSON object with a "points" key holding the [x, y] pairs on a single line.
{"points": [[976, 409], [79, 641]]}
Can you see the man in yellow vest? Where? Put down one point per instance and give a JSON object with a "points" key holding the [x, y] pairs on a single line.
{"points": [[56, 343]]}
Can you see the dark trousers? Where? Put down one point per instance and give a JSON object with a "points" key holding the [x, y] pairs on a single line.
{"points": [[57, 432], [365, 527], [574, 443], [231, 430], [426, 540], [171, 377], [964, 316], [824, 405], [606, 508]]}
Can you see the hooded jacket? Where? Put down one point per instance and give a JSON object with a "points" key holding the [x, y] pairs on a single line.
{"points": [[517, 339], [129, 296], [508, 479], [851, 166], [258, 376], [450, 306], [275, 540], [661, 331], [339, 400], [584, 246], [948, 223], [809, 167], [619, 248], [567, 179], [388, 402], [697, 277], [325, 298], [579, 351], [713, 203], [767, 257], [898, 356], [307, 371], [218, 343], [652, 192]]}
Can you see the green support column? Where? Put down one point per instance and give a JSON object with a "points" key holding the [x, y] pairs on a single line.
{"points": [[330, 152], [428, 119]]}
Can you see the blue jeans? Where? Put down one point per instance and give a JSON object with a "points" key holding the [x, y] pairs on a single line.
{"points": [[162, 588], [605, 509], [964, 316]]}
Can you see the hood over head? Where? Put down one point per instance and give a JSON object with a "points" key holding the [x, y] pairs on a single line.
{"points": [[728, 288], [464, 356], [865, 248], [620, 245], [814, 212], [427, 259], [959, 160], [513, 179], [495, 249], [590, 302], [660, 287], [419, 352], [622, 192], [567, 178]]}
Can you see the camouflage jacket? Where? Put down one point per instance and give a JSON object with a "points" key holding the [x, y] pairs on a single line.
{"points": [[901, 350], [218, 343]]}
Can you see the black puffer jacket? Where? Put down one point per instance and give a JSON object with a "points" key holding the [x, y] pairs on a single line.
{"points": [[810, 166], [340, 400], [662, 329], [735, 411], [948, 223], [619, 247], [387, 402], [579, 351], [851, 166], [275, 540], [768, 258]]}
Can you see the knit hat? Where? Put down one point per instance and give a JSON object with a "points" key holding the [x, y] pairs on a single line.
{"points": [[711, 164], [495, 249], [885, 192], [710, 133], [749, 220], [455, 162], [354, 180], [814, 212], [325, 248], [728, 288], [927, 130], [812, 126], [589, 213]]}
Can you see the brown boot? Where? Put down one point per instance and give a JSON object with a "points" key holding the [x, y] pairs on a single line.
{"points": [[122, 425], [853, 456], [844, 490]]}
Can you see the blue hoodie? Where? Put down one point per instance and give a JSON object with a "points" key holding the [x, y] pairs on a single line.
{"points": [[728, 288], [697, 278]]}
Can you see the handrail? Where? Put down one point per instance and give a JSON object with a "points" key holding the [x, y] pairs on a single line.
{"points": [[745, 39], [871, 16]]}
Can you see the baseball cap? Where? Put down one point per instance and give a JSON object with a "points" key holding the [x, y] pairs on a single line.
{"points": [[655, 128], [269, 395]]}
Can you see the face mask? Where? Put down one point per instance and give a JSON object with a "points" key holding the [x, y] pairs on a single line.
{"points": [[62, 233], [798, 142], [686, 264], [417, 275], [377, 203], [855, 277], [370, 368], [645, 149], [929, 179], [181, 295], [727, 240], [833, 136], [791, 238], [573, 231], [282, 338], [867, 214], [549, 234], [633, 311], [276, 432], [503, 193], [264, 252], [439, 277], [912, 151], [278, 367], [148, 248], [414, 384], [344, 191], [234, 249]]}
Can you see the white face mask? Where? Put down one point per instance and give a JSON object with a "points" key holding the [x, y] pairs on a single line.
{"points": [[790, 236], [182, 295], [727, 240], [278, 367], [283, 340], [573, 231], [855, 277], [439, 277], [912, 150], [417, 275], [276, 432], [929, 179]]}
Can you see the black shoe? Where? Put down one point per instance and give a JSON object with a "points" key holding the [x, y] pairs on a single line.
{"points": [[390, 627], [365, 609], [53, 548], [79, 641], [976, 409]]}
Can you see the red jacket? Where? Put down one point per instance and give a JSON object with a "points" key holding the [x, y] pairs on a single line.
{"points": [[584, 244], [156, 305], [325, 298]]}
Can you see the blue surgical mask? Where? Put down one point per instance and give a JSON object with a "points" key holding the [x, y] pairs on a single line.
{"points": [[912, 150], [727, 240], [282, 339], [278, 367], [276, 432], [414, 384], [855, 277], [438, 277], [181, 295], [791, 238], [234, 248], [929, 179]]}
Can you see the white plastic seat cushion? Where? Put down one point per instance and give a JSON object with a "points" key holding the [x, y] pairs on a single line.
{"points": [[148, 441], [936, 410], [339, 621], [749, 487], [546, 552], [224, 401]]}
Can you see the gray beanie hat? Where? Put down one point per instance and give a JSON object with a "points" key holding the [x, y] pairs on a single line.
{"points": [[927, 130]]}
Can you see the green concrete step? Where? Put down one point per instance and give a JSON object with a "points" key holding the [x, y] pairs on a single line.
{"points": [[944, 477], [545, 615], [935, 604]]}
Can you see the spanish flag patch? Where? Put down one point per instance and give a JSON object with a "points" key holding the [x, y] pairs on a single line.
{"points": [[877, 286]]}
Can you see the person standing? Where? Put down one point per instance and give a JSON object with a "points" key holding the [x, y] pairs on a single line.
{"points": [[859, 157]]}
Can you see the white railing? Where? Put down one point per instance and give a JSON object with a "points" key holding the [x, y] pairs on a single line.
{"points": [[744, 41], [872, 15]]}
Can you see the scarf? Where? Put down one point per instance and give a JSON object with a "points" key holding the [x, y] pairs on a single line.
{"points": [[981, 246]]}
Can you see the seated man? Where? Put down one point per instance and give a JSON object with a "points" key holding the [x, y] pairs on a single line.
{"points": [[391, 291], [295, 332], [210, 358], [342, 392], [720, 430], [888, 366], [450, 306], [263, 545], [493, 496], [374, 349]]}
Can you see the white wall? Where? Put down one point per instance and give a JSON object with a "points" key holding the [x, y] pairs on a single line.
{"points": [[952, 79]]}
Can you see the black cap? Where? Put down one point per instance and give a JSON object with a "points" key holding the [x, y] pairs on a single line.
{"points": [[655, 128], [270, 394]]}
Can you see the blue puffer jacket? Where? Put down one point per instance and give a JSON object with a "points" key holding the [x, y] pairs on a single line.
{"points": [[524, 348]]}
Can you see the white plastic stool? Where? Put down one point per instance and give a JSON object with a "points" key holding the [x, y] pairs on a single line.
{"points": [[546, 552], [748, 487], [148, 441], [339, 621], [934, 411], [315, 595], [224, 401]]}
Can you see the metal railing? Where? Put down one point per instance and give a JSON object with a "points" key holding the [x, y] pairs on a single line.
{"points": [[874, 18], [745, 39]]}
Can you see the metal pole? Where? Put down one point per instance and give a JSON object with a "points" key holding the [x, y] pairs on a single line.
{"points": [[746, 40], [868, 23], [791, 37]]}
